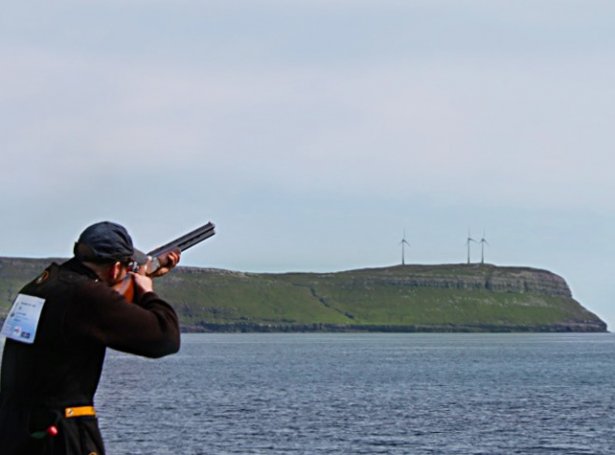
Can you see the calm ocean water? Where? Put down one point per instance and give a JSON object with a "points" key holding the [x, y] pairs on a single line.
{"points": [[364, 394]]}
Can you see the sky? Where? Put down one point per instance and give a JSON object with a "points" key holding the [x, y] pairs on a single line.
{"points": [[316, 134]]}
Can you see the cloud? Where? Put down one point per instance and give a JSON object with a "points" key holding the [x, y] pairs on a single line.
{"points": [[498, 129], [441, 109]]}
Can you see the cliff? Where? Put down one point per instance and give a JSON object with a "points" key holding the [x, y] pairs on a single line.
{"points": [[448, 297]]}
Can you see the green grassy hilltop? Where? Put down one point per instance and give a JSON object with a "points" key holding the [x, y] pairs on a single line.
{"points": [[451, 297]]}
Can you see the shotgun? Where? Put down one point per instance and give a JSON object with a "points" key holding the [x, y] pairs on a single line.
{"points": [[181, 243], [150, 263]]}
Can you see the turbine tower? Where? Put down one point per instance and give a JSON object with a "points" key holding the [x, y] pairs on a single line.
{"points": [[403, 244], [468, 241], [483, 242]]}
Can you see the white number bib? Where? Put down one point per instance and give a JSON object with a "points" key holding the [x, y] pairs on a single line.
{"points": [[22, 320]]}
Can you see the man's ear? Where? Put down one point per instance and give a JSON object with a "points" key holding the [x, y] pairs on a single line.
{"points": [[115, 271]]}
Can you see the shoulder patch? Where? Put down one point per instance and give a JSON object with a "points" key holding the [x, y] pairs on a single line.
{"points": [[43, 277]]}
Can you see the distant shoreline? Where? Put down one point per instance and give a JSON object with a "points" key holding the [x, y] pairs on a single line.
{"points": [[330, 328]]}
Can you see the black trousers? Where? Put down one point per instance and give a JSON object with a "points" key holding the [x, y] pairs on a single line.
{"points": [[23, 432]]}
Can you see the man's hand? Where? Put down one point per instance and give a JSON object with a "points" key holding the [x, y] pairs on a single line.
{"points": [[143, 283], [167, 262]]}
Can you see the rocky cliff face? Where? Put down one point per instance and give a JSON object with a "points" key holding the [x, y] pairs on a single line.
{"points": [[527, 280], [469, 277]]}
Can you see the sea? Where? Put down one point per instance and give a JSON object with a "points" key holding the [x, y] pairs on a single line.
{"points": [[346, 393]]}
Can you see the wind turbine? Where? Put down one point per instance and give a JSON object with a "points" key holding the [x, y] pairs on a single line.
{"points": [[483, 242], [403, 244], [468, 241]]}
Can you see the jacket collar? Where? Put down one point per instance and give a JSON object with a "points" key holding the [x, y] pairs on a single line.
{"points": [[75, 265]]}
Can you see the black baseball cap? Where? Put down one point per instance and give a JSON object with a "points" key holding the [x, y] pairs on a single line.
{"points": [[107, 242]]}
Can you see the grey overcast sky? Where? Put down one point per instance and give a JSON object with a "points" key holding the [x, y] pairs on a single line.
{"points": [[313, 132]]}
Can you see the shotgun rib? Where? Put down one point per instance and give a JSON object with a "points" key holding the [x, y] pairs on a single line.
{"points": [[186, 241]]}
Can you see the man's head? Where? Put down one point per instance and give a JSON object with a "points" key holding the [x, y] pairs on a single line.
{"points": [[107, 245], [105, 242]]}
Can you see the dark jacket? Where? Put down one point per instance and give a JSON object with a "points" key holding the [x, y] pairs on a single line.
{"points": [[81, 317]]}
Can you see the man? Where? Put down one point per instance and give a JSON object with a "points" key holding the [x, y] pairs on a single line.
{"points": [[57, 332]]}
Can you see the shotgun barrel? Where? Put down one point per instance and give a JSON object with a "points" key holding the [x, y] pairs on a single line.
{"points": [[186, 241]]}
